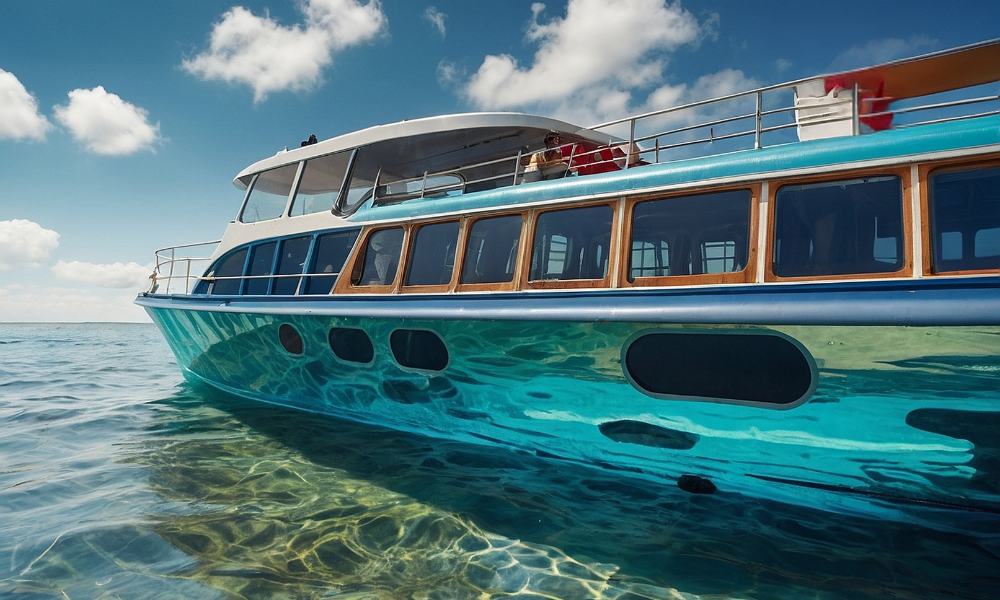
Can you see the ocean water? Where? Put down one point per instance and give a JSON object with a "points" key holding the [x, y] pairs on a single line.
{"points": [[120, 480]]}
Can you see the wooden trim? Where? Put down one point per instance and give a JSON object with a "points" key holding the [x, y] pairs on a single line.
{"points": [[746, 275], [503, 286], [411, 239], [906, 227], [356, 262], [946, 166], [553, 284]]}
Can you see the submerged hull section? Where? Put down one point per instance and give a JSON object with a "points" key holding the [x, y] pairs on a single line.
{"points": [[895, 419]]}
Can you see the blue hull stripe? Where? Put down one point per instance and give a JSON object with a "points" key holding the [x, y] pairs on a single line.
{"points": [[912, 302]]}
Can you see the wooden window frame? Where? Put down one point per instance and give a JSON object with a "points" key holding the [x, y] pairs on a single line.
{"points": [[522, 248], [747, 275], [906, 206], [411, 238], [556, 284], [355, 263], [924, 173]]}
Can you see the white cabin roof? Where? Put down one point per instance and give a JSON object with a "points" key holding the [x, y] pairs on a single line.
{"points": [[441, 142]]}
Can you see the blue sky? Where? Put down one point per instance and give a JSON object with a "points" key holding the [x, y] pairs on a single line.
{"points": [[121, 127]]}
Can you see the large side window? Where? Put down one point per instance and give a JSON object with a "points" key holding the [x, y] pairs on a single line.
{"points": [[320, 183], [261, 261], [432, 258], [381, 257], [491, 251], [329, 257], [572, 244], [850, 226], [228, 271], [291, 261], [690, 235], [965, 219], [269, 194]]}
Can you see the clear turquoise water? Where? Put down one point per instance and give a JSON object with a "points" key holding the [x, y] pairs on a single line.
{"points": [[117, 479]]}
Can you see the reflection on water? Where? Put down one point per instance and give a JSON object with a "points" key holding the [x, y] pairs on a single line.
{"points": [[118, 481]]}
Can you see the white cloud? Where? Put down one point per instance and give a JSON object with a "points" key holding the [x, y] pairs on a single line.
{"points": [[782, 64], [606, 44], [40, 303], [880, 51], [19, 116], [25, 243], [114, 275], [436, 18], [105, 123], [270, 57]]}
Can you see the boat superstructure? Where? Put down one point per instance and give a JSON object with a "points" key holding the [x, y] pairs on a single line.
{"points": [[792, 291]]}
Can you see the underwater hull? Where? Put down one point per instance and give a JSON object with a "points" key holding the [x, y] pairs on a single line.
{"points": [[896, 417]]}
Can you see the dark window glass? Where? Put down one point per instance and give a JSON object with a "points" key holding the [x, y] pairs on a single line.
{"points": [[269, 194], [691, 235], [352, 345], [572, 244], [230, 266], [736, 367], [965, 220], [432, 258], [329, 257], [839, 227], [261, 261], [381, 257], [293, 255], [491, 252], [290, 339], [418, 349]]}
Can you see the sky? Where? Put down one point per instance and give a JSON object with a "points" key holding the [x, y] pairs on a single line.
{"points": [[123, 122]]}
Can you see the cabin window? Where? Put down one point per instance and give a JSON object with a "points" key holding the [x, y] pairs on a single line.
{"points": [[359, 190], [269, 194], [418, 349], [572, 244], [432, 258], [691, 235], [491, 252], [759, 368], [230, 266], [381, 257], [290, 339], [261, 263], [329, 257], [352, 345], [965, 220], [851, 226], [320, 184], [293, 256]]}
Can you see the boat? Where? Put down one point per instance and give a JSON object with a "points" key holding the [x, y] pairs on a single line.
{"points": [[791, 292]]}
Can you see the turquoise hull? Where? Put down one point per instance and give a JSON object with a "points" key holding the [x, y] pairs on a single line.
{"points": [[903, 422]]}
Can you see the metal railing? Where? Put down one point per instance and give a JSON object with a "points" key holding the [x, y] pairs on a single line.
{"points": [[169, 267], [756, 118]]}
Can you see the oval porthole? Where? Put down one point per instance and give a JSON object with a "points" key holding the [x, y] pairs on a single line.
{"points": [[290, 339], [419, 349], [760, 368], [352, 345]]}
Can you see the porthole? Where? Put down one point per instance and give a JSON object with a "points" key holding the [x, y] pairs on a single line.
{"points": [[352, 345], [290, 339], [419, 349], [759, 368]]}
